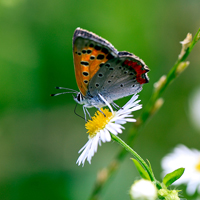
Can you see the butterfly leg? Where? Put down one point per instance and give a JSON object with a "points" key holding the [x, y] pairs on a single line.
{"points": [[116, 106], [85, 110], [85, 113], [88, 113]]}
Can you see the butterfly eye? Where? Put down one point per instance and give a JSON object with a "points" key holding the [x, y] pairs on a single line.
{"points": [[79, 97]]}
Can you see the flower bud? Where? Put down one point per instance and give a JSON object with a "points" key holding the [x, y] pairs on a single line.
{"points": [[181, 67], [158, 85], [168, 194], [143, 190], [185, 44], [159, 102]]}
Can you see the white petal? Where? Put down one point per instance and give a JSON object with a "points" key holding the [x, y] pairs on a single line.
{"points": [[84, 154], [110, 128], [107, 135], [191, 188], [130, 120], [89, 141], [99, 142], [120, 121], [118, 127], [133, 98], [95, 143], [102, 136]]}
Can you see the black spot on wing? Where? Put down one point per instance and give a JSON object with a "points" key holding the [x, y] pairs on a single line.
{"points": [[104, 50], [92, 57], [89, 51], [84, 63], [100, 57], [83, 51], [85, 81], [97, 47], [85, 73], [101, 65], [110, 56]]}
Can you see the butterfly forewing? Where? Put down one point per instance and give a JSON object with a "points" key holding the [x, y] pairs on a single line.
{"points": [[90, 53]]}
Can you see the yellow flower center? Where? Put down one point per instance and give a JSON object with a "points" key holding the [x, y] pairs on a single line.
{"points": [[98, 122], [198, 166]]}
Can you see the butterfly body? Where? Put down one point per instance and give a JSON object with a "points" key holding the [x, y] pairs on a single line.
{"points": [[102, 73]]}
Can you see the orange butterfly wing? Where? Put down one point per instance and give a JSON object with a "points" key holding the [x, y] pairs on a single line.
{"points": [[90, 53]]}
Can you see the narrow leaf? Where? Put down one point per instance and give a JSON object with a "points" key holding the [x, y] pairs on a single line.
{"points": [[143, 173], [173, 176]]}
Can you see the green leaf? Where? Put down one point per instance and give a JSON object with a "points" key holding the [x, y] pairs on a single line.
{"points": [[173, 176], [143, 173]]}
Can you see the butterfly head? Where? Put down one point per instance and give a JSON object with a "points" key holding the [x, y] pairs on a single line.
{"points": [[79, 98]]}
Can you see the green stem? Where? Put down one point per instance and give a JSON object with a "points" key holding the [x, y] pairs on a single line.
{"points": [[142, 162]]}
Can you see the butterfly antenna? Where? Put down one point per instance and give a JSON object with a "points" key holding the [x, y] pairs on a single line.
{"points": [[76, 112], [62, 88], [53, 95]]}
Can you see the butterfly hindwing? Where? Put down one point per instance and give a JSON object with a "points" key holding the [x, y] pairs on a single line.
{"points": [[119, 77], [90, 53]]}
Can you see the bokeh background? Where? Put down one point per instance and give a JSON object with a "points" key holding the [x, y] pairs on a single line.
{"points": [[40, 135]]}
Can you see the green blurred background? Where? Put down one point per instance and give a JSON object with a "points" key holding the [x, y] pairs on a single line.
{"points": [[40, 135]]}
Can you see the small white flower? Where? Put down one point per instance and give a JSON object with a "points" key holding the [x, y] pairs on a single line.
{"points": [[188, 159], [100, 127], [143, 190]]}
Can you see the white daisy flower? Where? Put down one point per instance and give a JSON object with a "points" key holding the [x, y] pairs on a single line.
{"points": [[100, 127], [143, 190], [188, 159]]}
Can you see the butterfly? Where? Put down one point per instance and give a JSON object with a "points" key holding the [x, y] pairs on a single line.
{"points": [[104, 74]]}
